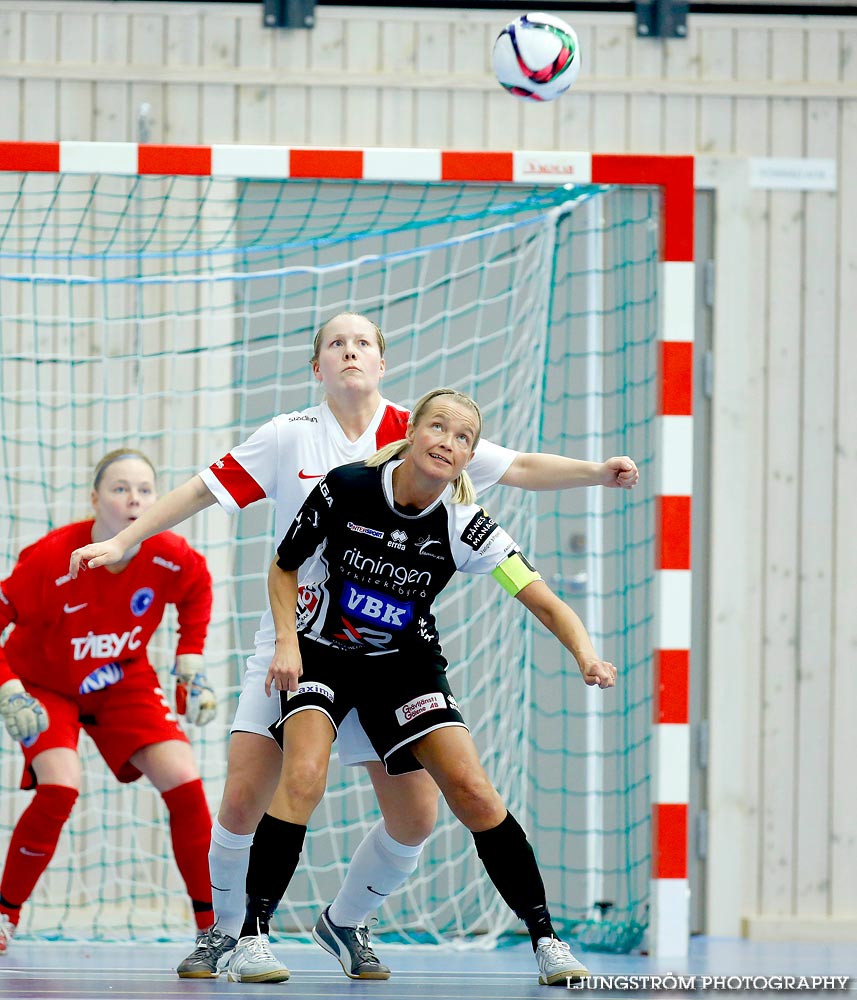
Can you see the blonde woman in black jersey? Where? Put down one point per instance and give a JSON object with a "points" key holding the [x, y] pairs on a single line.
{"points": [[388, 534]]}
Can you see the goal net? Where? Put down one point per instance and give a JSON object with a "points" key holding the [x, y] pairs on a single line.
{"points": [[175, 314]]}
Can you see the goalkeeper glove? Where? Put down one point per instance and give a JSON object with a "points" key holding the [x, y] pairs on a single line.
{"points": [[24, 715], [195, 698]]}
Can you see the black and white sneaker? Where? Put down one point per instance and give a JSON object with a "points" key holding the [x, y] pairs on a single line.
{"points": [[202, 962], [350, 946]]}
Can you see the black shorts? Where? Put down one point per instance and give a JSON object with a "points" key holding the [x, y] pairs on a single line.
{"points": [[399, 697]]}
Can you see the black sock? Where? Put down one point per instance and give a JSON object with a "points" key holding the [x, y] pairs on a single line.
{"points": [[274, 857], [511, 865], [538, 922]]}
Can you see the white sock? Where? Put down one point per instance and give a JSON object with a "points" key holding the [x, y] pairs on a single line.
{"points": [[228, 859], [378, 867]]}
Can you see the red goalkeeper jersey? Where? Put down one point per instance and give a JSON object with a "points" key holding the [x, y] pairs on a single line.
{"points": [[71, 636]]}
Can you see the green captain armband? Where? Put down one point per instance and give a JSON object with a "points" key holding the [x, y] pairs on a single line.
{"points": [[514, 573]]}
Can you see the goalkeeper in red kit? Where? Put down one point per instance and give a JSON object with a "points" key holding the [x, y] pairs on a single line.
{"points": [[76, 659]]}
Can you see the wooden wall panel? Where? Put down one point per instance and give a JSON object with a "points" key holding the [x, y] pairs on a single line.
{"points": [[430, 115], [402, 109], [813, 872], [39, 97], [575, 121], [751, 131], [290, 117], [11, 28], [360, 117], [716, 62], [756, 86], [360, 46], [782, 532], [111, 33], [147, 42], [181, 113], [254, 101], [183, 35], [815, 608], [326, 113], [645, 110], [291, 54], [76, 45], [843, 845]]}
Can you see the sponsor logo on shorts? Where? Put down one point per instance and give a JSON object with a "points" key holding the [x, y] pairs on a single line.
{"points": [[477, 532], [416, 707], [364, 531], [102, 677], [351, 636], [142, 601], [377, 608], [452, 702], [313, 687]]}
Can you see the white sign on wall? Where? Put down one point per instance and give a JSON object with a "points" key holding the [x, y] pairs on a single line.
{"points": [[792, 173]]}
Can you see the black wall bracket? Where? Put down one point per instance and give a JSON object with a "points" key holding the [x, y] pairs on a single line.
{"points": [[289, 13], [661, 18]]}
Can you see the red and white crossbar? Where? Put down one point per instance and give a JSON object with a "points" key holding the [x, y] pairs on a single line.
{"points": [[674, 175]]}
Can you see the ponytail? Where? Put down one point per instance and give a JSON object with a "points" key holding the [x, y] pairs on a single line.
{"points": [[388, 452]]}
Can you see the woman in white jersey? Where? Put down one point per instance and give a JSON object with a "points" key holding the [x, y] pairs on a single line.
{"points": [[283, 461]]}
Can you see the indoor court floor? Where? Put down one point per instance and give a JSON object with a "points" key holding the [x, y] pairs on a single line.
{"points": [[78, 971]]}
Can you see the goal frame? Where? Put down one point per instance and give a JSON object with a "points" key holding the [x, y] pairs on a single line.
{"points": [[669, 928]]}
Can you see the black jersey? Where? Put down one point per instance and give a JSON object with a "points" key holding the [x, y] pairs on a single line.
{"points": [[377, 570]]}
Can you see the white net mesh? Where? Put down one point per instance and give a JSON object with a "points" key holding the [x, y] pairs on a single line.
{"points": [[176, 315]]}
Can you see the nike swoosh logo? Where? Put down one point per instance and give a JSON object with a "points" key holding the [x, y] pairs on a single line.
{"points": [[70, 610], [32, 854], [369, 887], [304, 475]]}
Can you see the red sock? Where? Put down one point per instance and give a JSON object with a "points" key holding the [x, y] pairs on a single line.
{"points": [[190, 828], [33, 843]]}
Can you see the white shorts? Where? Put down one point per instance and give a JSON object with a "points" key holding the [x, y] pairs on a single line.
{"points": [[256, 711]]}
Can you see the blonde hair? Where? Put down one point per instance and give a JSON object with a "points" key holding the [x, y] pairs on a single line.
{"points": [[117, 455], [319, 334], [463, 490]]}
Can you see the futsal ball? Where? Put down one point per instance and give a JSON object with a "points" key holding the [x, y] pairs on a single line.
{"points": [[537, 57]]}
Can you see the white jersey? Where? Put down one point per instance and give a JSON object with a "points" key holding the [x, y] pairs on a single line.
{"points": [[285, 458]]}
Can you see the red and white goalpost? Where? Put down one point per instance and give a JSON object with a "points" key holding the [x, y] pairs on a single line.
{"points": [[674, 176]]}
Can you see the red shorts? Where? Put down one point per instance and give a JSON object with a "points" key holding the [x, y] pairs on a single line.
{"points": [[121, 719]]}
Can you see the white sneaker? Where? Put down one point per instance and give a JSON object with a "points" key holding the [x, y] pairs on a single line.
{"points": [[556, 962], [7, 932], [252, 961]]}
